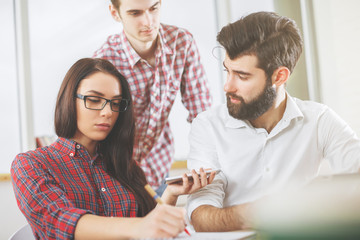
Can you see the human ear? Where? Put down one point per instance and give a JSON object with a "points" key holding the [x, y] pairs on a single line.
{"points": [[114, 13], [280, 76]]}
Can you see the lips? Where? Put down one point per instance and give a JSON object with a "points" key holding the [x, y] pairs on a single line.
{"points": [[103, 126], [147, 31], [233, 98]]}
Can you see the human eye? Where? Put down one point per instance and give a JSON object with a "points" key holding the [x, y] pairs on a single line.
{"points": [[134, 13], [242, 77], [116, 102], [93, 99], [152, 9]]}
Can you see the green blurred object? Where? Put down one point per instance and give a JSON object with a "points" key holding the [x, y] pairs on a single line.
{"points": [[327, 208]]}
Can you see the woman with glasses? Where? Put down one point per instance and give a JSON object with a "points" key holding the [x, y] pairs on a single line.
{"points": [[86, 185]]}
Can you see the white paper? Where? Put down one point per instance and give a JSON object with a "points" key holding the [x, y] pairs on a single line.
{"points": [[216, 235]]}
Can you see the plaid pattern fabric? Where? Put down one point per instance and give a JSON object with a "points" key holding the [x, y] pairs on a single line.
{"points": [[154, 89], [55, 185]]}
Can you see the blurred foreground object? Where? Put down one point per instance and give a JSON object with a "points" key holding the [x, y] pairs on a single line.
{"points": [[327, 208]]}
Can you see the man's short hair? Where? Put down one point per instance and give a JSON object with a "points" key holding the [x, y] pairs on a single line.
{"points": [[273, 39]]}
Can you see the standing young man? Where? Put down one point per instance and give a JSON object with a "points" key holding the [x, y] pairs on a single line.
{"points": [[158, 60], [263, 138]]}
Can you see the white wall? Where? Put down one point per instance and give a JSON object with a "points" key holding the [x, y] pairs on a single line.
{"points": [[9, 120], [337, 25]]}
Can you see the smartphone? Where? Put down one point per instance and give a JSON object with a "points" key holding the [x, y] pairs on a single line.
{"points": [[178, 179]]}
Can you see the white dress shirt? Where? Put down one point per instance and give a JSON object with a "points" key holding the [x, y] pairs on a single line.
{"points": [[255, 163]]}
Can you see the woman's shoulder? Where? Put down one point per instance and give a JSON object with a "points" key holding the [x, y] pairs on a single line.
{"points": [[38, 156]]}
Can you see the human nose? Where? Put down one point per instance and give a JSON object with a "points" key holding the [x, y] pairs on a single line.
{"points": [[229, 84], [147, 19], [106, 111]]}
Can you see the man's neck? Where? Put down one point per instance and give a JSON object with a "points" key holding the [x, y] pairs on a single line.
{"points": [[271, 117], [146, 50]]}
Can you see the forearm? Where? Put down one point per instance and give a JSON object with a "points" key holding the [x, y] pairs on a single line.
{"points": [[207, 218], [96, 227]]}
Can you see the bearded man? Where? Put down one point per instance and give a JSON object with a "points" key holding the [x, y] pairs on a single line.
{"points": [[263, 138]]}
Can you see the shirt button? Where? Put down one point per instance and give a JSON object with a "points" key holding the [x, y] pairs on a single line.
{"points": [[71, 154], [103, 189], [77, 146], [267, 169]]}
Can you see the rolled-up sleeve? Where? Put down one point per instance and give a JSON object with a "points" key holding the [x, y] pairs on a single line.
{"points": [[203, 154], [43, 202]]}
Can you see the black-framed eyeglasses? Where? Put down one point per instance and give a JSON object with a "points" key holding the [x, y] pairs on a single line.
{"points": [[98, 103]]}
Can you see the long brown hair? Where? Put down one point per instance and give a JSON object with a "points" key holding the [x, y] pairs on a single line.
{"points": [[117, 148]]}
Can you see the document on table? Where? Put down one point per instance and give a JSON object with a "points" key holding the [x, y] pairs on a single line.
{"points": [[217, 235]]}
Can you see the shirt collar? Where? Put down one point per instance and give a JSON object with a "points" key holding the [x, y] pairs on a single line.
{"points": [[292, 111], [65, 145], [133, 57], [69, 146], [129, 51], [164, 46]]}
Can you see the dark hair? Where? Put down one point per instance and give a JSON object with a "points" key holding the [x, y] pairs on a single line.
{"points": [[274, 40], [117, 148], [116, 4]]}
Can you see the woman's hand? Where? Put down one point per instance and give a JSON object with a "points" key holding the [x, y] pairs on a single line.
{"points": [[163, 221], [174, 190]]}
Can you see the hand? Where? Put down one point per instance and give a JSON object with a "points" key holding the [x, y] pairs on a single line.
{"points": [[188, 187], [163, 221]]}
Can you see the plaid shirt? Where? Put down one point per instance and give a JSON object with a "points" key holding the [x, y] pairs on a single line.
{"points": [[55, 185], [154, 90]]}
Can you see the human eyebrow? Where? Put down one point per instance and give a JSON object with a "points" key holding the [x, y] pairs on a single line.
{"points": [[94, 92], [155, 5], [101, 94], [133, 12], [238, 71]]}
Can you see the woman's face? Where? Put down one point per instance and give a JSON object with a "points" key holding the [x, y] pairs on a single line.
{"points": [[95, 125]]}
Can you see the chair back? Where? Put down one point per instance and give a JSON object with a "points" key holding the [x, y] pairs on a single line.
{"points": [[24, 233]]}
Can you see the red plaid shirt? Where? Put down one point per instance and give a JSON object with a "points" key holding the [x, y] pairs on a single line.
{"points": [[154, 89], [55, 185]]}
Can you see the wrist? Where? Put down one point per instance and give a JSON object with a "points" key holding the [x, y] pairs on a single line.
{"points": [[133, 229], [169, 198]]}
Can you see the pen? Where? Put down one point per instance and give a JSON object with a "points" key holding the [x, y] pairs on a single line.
{"points": [[158, 199]]}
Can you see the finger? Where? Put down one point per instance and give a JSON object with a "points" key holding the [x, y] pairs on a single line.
{"points": [[172, 228], [203, 177], [173, 221], [211, 177], [196, 179], [185, 182]]}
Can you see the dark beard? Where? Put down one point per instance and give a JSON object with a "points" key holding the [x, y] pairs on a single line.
{"points": [[253, 109]]}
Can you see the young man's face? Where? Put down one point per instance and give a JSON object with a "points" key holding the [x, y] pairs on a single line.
{"points": [[249, 92], [140, 19]]}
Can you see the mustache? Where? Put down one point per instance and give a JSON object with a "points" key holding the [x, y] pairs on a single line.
{"points": [[233, 95]]}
